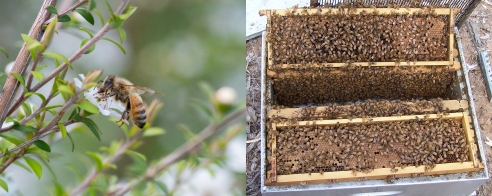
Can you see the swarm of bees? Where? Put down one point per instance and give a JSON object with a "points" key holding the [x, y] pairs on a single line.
{"points": [[322, 85], [365, 37], [363, 148], [125, 92]]}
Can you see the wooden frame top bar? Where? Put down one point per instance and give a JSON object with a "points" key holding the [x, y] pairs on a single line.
{"points": [[452, 105], [379, 11], [457, 115]]}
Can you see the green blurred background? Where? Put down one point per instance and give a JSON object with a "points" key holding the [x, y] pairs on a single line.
{"points": [[171, 46]]}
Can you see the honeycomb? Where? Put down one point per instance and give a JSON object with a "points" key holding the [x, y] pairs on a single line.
{"points": [[342, 37], [339, 85], [362, 148]]}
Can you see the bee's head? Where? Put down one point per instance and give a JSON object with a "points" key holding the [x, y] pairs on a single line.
{"points": [[108, 84]]}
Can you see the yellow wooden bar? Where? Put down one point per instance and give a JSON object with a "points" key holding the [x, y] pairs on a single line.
{"points": [[380, 11], [452, 105], [457, 115], [381, 173]]}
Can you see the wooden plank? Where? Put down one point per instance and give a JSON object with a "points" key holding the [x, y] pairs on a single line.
{"points": [[381, 173], [380, 11], [457, 115], [273, 174], [456, 66], [364, 64], [469, 138], [452, 105], [451, 36]]}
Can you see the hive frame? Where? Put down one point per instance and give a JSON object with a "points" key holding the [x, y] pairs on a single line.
{"points": [[381, 11], [381, 173]]}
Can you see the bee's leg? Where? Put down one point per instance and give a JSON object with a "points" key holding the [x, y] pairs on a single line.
{"points": [[125, 115]]}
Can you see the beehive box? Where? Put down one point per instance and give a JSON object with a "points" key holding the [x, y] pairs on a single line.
{"points": [[384, 116]]}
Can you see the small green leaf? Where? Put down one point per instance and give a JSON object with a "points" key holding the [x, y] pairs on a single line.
{"points": [[66, 89], [52, 9], [23, 166], [63, 130], [20, 79], [87, 15], [33, 45], [24, 128], [41, 96], [115, 43], [50, 31], [71, 140], [88, 106], [161, 186], [93, 127], [42, 145], [90, 49], [35, 166], [75, 115], [153, 131], [38, 75], [128, 12], [38, 151], [92, 5], [51, 107], [4, 185], [58, 56], [12, 140], [4, 51], [87, 31], [136, 154], [122, 33], [64, 18], [100, 16], [115, 21], [97, 160], [27, 108]]}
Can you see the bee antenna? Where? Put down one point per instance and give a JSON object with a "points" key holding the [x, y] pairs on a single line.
{"points": [[99, 82]]}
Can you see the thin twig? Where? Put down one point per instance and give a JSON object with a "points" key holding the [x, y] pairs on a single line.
{"points": [[71, 9], [182, 151], [73, 58], [22, 60], [121, 150], [31, 116]]}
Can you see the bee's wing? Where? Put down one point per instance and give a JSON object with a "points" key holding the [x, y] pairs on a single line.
{"points": [[141, 90]]}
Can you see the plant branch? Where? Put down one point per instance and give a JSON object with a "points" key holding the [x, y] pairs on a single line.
{"points": [[184, 150], [71, 9], [73, 58], [87, 181], [31, 116], [49, 128], [10, 161], [22, 60]]}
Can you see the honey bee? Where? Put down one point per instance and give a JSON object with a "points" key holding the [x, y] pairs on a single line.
{"points": [[124, 91]]}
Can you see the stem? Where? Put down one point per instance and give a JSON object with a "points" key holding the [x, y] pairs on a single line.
{"points": [[49, 128], [34, 114], [185, 149], [64, 66], [10, 161], [71, 9], [87, 181], [22, 60]]}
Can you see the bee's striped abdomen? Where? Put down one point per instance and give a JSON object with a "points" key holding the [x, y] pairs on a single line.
{"points": [[137, 111]]}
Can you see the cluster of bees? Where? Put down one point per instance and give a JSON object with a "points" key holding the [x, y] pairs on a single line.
{"points": [[365, 37], [363, 148], [371, 108], [361, 83]]}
